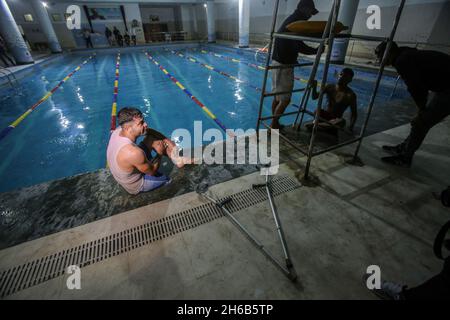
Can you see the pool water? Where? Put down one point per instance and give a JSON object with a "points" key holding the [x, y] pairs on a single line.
{"points": [[68, 134]]}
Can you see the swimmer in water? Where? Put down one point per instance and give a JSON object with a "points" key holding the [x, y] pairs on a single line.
{"points": [[340, 96]]}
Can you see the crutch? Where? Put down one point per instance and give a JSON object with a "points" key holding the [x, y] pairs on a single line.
{"points": [[287, 271], [287, 256]]}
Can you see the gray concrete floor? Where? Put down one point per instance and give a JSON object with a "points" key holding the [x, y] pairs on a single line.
{"points": [[352, 218]]}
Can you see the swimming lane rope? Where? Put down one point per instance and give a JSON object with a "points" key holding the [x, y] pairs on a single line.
{"points": [[210, 67], [115, 92], [255, 66], [16, 122], [190, 95]]}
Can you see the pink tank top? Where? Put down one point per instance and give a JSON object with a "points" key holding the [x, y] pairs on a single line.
{"points": [[131, 182]]}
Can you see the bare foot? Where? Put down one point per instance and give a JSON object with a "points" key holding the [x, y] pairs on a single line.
{"points": [[181, 162]]}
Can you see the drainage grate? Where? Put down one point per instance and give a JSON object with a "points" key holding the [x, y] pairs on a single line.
{"points": [[37, 271]]}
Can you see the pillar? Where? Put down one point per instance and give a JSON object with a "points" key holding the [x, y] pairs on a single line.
{"points": [[244, 23], [347, 14], [12, 36], [46, 25], [211, 21], [194, 19]]}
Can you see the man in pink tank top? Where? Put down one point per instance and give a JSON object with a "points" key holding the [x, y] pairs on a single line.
{"points": [[132, 165]]}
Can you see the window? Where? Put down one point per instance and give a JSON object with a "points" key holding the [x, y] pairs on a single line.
{"points": [[28, 17], [56, 17]]}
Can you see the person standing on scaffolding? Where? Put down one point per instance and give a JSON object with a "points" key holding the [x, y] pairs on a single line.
{"points": [[422, 71], [285, 52]]}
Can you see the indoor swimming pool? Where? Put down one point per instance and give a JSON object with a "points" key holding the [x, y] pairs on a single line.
{"points": [[68, 133]]}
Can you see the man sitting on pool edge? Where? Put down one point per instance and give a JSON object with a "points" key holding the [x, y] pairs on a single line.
{"points": [[132, 165]]}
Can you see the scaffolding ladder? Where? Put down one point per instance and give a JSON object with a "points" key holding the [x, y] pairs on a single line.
{"points": [[327, 38], [13, 82]]}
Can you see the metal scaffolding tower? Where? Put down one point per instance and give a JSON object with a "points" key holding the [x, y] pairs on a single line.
{"points": [[327, 39]]}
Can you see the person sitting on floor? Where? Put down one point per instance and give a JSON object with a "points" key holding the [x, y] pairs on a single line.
{"points": [[340, 96], [132, 165]]}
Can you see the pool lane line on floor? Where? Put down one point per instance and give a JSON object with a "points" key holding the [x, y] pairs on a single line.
{"points": [[16, 122], [255, 66], [115, 92], [212, 68], [190, 95]]}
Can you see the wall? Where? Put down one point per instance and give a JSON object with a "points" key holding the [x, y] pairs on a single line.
{"points": [[227, 20], [423, 21], [187, 21], [201, 21], [72, 38], [32, 30], [165, 14], [133, 12]]}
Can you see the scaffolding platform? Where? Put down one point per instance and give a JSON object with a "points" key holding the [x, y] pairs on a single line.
{"points": [[317, 144]]}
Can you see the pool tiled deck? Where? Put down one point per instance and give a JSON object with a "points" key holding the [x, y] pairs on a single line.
{"points": [[352, 217]]}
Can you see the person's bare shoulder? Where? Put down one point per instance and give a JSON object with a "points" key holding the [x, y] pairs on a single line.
{"points": [[131, 155], [351, 94]]}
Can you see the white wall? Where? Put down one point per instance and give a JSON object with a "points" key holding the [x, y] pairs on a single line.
{"points": [[422, 20], [187, 20], [227, 18], [133, 12], [68, 38], [201, 21], [166, 15], [32, 30]]}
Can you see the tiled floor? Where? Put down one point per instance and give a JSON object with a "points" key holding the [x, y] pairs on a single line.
{"points": [[354, 217]]}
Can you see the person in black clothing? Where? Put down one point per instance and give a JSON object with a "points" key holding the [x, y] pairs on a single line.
{"points": [[108, 35], [127, 38], [118, 36], [422, 71], [435, 288], [87, 38], [3, 54], [285, 52]]}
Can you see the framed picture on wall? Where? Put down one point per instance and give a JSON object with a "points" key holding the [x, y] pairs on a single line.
{"points": [[28, 17], [56, 17], [112, 13]]}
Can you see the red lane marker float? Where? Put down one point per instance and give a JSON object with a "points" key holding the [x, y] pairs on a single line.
{"points": [[115, 92], [16, 122], [255, 66], [209, 67], [192, 97]]}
